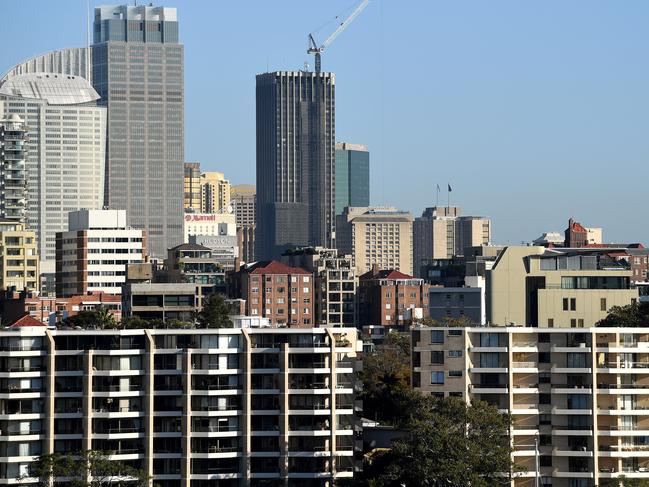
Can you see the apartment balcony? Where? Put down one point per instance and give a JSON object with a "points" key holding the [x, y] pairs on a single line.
{"points": [[489, 388], [525, 367], [614, 389], [576, 347], [479, 369], [483, 348], [632, 411], [525, 389], [624, 367], [624, 451], [572, 475], [571, 452], [525, 409], [571, 370], [567, 411], [568, 389], [626, 347], [525, 347]]}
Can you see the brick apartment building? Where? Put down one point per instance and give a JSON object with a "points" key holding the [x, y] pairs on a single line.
{"points": [[391, 298], [276, 291]]}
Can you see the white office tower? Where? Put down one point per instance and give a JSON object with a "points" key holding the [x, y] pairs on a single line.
{"points": [[66, 139]]}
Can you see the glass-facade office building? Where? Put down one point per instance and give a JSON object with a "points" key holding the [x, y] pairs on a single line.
{"points": [[138, 71], [352, 176]]}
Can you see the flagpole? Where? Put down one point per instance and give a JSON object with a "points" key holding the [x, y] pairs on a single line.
{"points": [[437, 199], [448, 195]]}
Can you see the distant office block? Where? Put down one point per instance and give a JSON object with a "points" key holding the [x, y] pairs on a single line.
{"points": [[13, 175], [215, 192], [192, 187], [244, 202], [295, 161], [352, 176]]}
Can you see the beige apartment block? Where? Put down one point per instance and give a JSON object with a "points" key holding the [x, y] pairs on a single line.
{"points": [[19, 263], [582, 394], [379, 236], [192, 408], [215, 192], [535, 286]]}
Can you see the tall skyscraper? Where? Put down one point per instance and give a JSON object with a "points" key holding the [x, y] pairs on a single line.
{"points": [[65, 149], [352, 176], [137, 66], [295, 161]]}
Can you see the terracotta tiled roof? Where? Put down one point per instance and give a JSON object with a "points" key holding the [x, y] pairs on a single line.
{"points": [[26, 321], [578, 227], [274, 267], [386, 274]]}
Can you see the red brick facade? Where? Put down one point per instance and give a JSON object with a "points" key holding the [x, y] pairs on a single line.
{"points": [[281, 293]]}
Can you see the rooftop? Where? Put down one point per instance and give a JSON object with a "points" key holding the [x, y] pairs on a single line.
{"points": [[56, 89], [273, 267]]}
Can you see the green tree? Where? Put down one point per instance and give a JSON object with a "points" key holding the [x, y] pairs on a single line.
{"points": [[100, 318], [135, 322], [215, 313], [623, 481], [386, 378], [447, 442], [632, 315], [86, 469]]}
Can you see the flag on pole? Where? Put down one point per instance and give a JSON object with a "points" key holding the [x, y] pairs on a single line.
{"points": [[449, 188], [438, 190]]}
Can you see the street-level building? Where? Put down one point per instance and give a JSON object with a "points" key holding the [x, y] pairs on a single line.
{"points": [[191, 408], [334, 284], [19, 263], [51, 310], [276, 291], [391, 298], [581, 393], [93, 254], [376, 235]]}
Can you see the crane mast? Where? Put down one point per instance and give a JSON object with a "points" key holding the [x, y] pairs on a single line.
{"points": [[318, 50]]}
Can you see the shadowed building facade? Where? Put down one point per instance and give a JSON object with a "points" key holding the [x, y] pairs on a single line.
{"points": [[295, 161]]}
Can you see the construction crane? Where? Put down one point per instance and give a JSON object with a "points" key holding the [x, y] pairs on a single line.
{"points": [[313, 45]]}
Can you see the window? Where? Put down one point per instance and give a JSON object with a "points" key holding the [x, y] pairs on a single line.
{"points": [[544, 357], [436, 336], [545, 399], [550, 322], [437, 357], [489, 339], [573, 323], [455, 373], [455, 353], [437, 377], [573, 304], [455, 333], [545, 461], [602, 304], [580, 322], [489, 359], [565, 304], [576, 360], [388, 306], [577, 401]]}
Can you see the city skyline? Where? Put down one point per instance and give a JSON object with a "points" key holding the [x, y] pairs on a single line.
{"points": [[569, 76]]}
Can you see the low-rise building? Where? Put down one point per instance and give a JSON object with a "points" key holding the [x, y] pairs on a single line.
{"points": [[458, 303], [391, 298], [535, 286], [334, 283], [93, 254], [197, 265], [19, 263], [161, 301], [191, 408], [51, 310], [276, 291], [576, 396]]}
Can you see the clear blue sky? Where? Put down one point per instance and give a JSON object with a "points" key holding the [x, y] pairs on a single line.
{"points": [[533, 111]]}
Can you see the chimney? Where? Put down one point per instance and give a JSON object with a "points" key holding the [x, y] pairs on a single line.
{"points": [[375, 269]]}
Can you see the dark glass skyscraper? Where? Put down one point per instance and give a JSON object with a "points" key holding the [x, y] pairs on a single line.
{"points": [[352, 176], [138, 72], [295, 161]]}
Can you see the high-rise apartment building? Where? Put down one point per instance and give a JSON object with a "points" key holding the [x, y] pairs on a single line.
{"points": [[442, 233], [576, 397], [535, 286], [295, 161], [137, 64], [19, 266], [13, 168], [352, 176], [244, 203], [93, 254], [334, 283], [191, 408], [192, 187], [215, 192], [65, 149], [376, 235]]}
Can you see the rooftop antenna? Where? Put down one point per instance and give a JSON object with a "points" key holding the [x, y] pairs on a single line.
{"points": [[313, 46]]}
